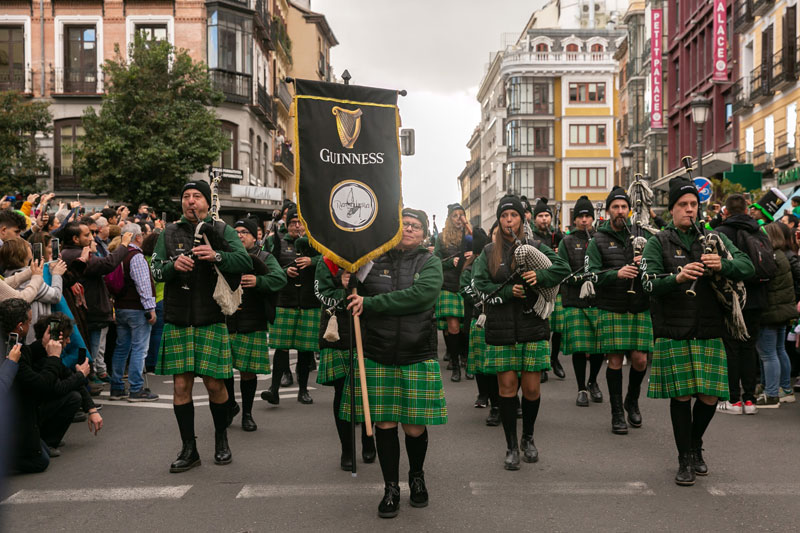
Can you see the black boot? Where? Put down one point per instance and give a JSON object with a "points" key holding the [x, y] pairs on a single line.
{"points": [[493, 419], [304, 398], [222, 452], [233, 410], [544, 377], [271, 394], [464, 338], [699, 464], [248, 424], [187, 459], [529, 452], [451, 343], [685, 476], [419, 492], [558, 370], [286, 379], [618, 425], [456, 375], [632, 407], [595, 393], [391, 501], [508, 407], [367, 446]]}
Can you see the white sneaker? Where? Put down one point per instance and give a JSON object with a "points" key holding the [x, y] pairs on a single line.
{"points": [[750, 408], [786, 396], [730, 408]]}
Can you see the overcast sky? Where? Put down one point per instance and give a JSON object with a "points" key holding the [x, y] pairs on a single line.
{"points": [[436, 50]]}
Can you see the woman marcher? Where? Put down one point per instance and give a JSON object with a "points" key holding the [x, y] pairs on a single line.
{"points": [[404, 380], [771, 345], [517, 341], [453, 247], [334, 357]]}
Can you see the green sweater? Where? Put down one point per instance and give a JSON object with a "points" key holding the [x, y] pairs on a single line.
{"points": [[328, 288], [422, 294], [737, 269], [596, 259], [274, 280], [301, 245]]}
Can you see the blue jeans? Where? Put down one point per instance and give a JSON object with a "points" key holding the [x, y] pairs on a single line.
{"points": [[774, 359], [97, 347], [133, 337], [155, 336]]}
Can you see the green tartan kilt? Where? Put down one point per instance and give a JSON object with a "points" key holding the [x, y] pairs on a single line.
{"points": [[448, 304], [410, 394], [202, 350], [333, 364], [557, 317], [250, 352], [688, 367], [622, 332], [295, 329], [476, 359], [580, 334], [520, 357]]}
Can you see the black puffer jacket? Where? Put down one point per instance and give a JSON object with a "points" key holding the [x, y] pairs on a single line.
{"points": [[781, 303], [730, 227]]}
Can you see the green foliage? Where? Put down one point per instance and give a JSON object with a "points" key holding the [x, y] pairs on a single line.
{"points": [[20, 162], [724, 187], [155, 128]]}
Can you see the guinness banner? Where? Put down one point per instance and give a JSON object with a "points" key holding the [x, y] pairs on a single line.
{"points": [[347, 165]]}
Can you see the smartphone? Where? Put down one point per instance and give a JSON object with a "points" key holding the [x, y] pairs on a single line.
{"points": [[164, 217], [13, 340], [55, 326], [81, 355], [56, 244], [37, 252]]}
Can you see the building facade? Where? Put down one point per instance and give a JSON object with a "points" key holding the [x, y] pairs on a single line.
{"points": [[470, 181]]}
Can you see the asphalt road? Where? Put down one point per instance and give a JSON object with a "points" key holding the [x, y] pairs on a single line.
{"points": [[286, 475]]}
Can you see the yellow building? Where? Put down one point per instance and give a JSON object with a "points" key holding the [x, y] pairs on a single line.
{"points": [[470, 181]]}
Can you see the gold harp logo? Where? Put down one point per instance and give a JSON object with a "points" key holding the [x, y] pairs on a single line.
{"points": [[348, 124]]}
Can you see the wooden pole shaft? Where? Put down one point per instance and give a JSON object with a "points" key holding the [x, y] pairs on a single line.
{"points": [[362, 373]]}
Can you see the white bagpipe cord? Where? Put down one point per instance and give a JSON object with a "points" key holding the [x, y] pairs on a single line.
{"points": [[214, 208]]}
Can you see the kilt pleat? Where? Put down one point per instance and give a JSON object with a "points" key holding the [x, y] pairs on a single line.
{"points": [[580, 333], [476, 358], [557, 317], [203, 350], [621, 332], [333, 364], [409, 394], [688, 367], [250, 352], [520, 357], [448, 304], [295, 329]]}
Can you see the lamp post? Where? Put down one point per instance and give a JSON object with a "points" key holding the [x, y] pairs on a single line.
{"points": [[700, 109], [627, 159]]}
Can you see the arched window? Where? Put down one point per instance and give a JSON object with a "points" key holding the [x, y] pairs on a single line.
{"points": [[542, 47], [572, 47], [597, 48]]}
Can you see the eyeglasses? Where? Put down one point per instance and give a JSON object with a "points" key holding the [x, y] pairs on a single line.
{"points": [[243, 232], [412, 225], [295, 223], [95, 232]]}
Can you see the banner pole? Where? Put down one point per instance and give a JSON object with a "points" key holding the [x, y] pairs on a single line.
{"points": [[352, 401], [362, 373]]}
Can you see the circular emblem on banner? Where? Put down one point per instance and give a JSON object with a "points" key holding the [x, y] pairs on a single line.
{"points": [[656, 116], [721, 66], [353, 205]]}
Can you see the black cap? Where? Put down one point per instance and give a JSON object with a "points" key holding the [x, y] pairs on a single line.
{"points": [[479, 240], [249, 224], [617, 193], [542, 207], [453, 207], [419, 215], [510, 202], [583, 207], [679, 186], [291, 214], [770, 202], [200, 185]]}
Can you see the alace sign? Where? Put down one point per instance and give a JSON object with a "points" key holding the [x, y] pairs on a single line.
{"points": [[656, 79], [720, 42]]}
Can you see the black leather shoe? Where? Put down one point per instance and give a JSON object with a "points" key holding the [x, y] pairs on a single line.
{"points": [[558, 370], [368, 449], [232, 412], [595, 393], [544, 377], [469, 376], [222, 452], [699, 464], [390, 503], [346, 461], [419, 493], [481, 402], [632, 407], [286, 379], [685, 476], [456, 376], [512, 459], [529, 452], [304, 398], [446, 357], [583, 399], [248, 424], [187, 459], [493, 419], [618, 425], [271, 395]]}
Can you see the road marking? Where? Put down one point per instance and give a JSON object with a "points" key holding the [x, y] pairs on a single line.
{"points": [[98, 495], [283, 491], [577, 488], [107, 394], [199, 401], [754, 489]]}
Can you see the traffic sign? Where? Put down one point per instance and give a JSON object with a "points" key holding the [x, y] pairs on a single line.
{"points": [[704, 188], [227, 173]]}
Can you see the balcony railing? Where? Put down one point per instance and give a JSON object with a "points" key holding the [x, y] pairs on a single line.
{"points": [[282, 36], [284, 96], [285, 157], [744, 158], [763, 161], [531, 150], [77, 81], [532, 108], [635, 67], [16, 80], [784, 69], [236, 87], [760, 83], [743, 15], [265, 23], [550, 57], [785, 155], [762, 6], [266, 107], [65, 179], [741, 95]]}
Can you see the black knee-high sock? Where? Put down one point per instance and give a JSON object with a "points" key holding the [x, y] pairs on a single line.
{"points": [[579, 366], [184, 414], [388, 446], [681, 414], [342, 426], [480, 381], [302, 368], [231, 394], [701, 418], [248, 393], [555, 346], [219, 412], [452, 344], [463, 338], [635, 379], [416, 448], [508, 414], [494, 391], [595, 364], [614, 380], [280, 364], [530, 410]]}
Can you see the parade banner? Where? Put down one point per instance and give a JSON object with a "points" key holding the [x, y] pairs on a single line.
{"points": [[347, 165], [720, 42], [656, 73]]}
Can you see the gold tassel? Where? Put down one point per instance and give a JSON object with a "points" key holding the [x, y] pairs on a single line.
{"points": [[332, 331]]}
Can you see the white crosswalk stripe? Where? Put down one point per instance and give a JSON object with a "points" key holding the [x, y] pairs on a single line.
{"points": [[97, 495], [588, 488]]}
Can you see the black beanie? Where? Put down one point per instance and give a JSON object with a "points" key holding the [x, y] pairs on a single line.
{"points": [[583, 207], [510, 202], [200, 185], [419, 215], [291, 215], [453, 207], [617, 193], [542, 207], [249, 224], [678, 187], [526, 204], [479, 240]]}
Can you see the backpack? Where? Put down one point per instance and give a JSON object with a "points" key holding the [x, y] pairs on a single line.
{"points": [[115, 280], [757, 246]]}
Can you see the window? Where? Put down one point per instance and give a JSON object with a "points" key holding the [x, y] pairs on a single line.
{"points": [[587, 134], [597, 48], [528, 137], [530, 179], [587, 93], [152, 32], [251, 163], [67, 137], [791, 124], [80, 60], [229, 158], [528, 96], [587, 178], [12, 58], [769, 135], [230, 42], [572, 47], [542, 47], [728, 118], [257, 174]]}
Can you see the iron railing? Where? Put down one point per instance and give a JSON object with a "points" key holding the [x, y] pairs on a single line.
{"points": [[284, 95], [67, 80], [741, 95], [236, 87], [743, 15], [16, 80], [285, 157]]}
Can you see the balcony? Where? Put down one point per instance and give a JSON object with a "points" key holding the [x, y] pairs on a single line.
{"points": [[741, 96], [635, 68], [236, 87], [64, 179], [785, 155], [763, 161], [282, 36], [784, 69], [555, 61], [762, 6], [760, 89], [743, 16], [284, 160], [76, 82], [531, 150], [16, 80], [532, 108], [284, 96], [265, 107], [264, 23], [744, 158]]}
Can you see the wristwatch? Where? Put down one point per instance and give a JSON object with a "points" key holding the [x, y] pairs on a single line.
{"points": [[217, 257]]}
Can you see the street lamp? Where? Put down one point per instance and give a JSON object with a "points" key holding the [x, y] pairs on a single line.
{"points": [[627, 159], [700, 109]]}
